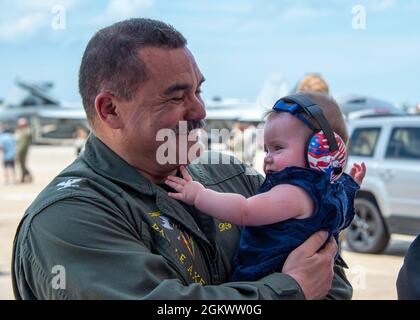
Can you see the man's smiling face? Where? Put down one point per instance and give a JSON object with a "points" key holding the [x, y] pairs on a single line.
{"points": [[170, 94]]}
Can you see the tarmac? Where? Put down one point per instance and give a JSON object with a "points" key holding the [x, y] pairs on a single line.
{"points": [[372, 276]]}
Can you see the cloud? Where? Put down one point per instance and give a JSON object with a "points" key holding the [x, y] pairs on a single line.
{"points": [[301, 11], [381, 5], [25, 5], [287, 14], [122, 9], [25, 18], [26, 25]]}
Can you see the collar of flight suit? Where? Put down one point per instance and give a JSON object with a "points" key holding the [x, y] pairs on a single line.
{"points": [[108, 164]]}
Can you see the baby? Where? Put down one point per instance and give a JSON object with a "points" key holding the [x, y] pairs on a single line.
{"points": [[305, 189]]}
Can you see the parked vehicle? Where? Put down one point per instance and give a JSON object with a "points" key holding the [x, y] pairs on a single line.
{"points": [[389, 199], [352, 103], [374, 112]]}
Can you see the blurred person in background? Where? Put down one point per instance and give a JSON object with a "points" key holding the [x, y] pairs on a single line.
{"points": [[250, 144], [80, 135], [236, 141], [8, 146], [313, 82], [24, 140]]}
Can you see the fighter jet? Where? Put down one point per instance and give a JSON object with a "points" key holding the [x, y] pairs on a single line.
{"points": [[51, 121]]}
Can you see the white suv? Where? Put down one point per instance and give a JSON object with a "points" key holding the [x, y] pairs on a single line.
{"points": [[389, 199]]}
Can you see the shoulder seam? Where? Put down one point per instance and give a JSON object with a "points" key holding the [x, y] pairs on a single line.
{"points": [[33, 261], [48, 203]]}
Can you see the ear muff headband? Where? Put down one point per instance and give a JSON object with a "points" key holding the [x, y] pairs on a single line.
{"points": [[315, 112]]}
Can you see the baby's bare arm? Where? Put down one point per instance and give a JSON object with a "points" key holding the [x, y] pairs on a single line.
{"points": [[280, 203]]}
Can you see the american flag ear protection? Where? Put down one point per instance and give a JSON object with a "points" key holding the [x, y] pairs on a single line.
{"points": [[321, 158], [326, 151]]}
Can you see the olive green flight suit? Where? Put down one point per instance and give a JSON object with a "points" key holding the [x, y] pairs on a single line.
{"points": [[100, 230]]}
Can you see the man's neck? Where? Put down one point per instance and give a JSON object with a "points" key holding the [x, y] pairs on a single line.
{"points": [[152, 172], [156, 178]]}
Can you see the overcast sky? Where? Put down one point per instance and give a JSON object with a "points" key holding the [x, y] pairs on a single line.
{"points": [[238, 44]]}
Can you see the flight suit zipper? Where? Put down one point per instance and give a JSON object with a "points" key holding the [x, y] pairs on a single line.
{"points": [[211, 260]]}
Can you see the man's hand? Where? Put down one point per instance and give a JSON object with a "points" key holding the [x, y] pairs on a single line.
{"points": [[187, 189], [358, 172], [313, 269]]}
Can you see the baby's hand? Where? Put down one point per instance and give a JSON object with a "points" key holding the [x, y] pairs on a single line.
{"points": [[358, 172], [187, 189]]}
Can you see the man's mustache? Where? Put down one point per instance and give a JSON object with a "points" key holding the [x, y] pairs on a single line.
{"points": [[191, 125]]}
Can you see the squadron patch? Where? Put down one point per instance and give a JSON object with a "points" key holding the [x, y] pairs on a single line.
{"points": [[188, 242]]}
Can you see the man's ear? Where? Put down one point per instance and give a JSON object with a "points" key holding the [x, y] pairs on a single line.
{"points": [[107, 110]]}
